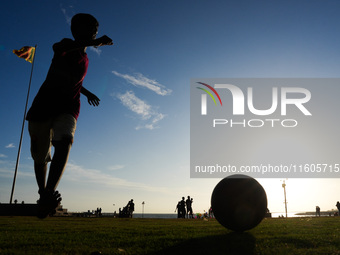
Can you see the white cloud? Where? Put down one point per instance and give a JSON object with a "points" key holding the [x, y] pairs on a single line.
{"points": [[140, 80], [65, 12], [152, 125], [76, 173], [96, 50], [146, 112], [5, 173], [116, 167], [135, 104], [3, 156], [11, 145]]}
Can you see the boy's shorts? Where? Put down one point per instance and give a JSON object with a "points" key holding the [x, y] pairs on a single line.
{"points": [[43, 133]]}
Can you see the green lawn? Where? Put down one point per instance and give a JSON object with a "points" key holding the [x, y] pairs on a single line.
{"points": [[29, 235]]}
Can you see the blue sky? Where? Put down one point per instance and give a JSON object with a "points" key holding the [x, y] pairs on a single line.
{"points": [[136, 143]]}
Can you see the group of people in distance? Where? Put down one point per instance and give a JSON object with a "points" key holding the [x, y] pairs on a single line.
{"points": [[318, 211], [184, 208], [127, 210]]}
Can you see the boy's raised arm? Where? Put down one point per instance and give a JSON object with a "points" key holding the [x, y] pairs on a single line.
{"points": [[66, 45]]}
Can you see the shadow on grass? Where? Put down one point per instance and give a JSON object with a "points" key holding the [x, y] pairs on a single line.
{"points": [[231, 243]]}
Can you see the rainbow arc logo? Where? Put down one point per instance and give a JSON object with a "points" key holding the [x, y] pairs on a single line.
{"points": [[204, 97]]}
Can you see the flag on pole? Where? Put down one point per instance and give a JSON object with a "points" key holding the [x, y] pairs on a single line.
{"points": [[26, 52]]}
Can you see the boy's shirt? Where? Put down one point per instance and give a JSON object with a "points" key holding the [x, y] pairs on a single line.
{"points": [[60, 92]]}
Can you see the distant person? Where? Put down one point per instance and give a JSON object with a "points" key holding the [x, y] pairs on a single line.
{"points": [[317, 213], [182, 207], [178, 206], [131, 208], [55, 109], [338, 206], [125, 212], [179, 209], [205, 215], [188, 203], [211, 213]]}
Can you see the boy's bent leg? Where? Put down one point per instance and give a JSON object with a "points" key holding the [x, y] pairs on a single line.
{"points": [[64, 127], [61, 152], [40, 133]]}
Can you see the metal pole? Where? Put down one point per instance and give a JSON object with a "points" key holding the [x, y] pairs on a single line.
{"points": [[22, 130], [284, 190]]}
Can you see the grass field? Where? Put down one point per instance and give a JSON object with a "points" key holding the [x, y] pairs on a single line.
{"points": [[66, 235]]}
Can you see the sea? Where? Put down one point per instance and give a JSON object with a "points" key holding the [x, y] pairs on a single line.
{"points": [[174, 216]]}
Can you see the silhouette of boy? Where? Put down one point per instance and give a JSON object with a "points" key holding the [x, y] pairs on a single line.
{"points": [[53, 115]]}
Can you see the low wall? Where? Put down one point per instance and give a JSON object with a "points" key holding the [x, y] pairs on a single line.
{"points": [[18, 209]]}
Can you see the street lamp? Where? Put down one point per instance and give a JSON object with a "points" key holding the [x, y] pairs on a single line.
{"points": [[143, 209]]}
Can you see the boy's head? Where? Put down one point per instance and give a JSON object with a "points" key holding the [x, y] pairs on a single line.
{"points": [[84, 26]]}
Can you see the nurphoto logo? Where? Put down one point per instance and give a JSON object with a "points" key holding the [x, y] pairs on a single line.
{"points": [[239, 103]]}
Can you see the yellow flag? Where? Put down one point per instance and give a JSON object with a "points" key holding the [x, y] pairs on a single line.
{"points": [[26, 52]]}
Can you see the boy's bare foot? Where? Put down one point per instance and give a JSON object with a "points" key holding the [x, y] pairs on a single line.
{"points": [[48, 202]]}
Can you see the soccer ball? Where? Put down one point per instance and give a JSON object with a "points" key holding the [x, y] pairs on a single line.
{"points": [[239, 202]]}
